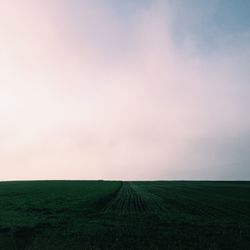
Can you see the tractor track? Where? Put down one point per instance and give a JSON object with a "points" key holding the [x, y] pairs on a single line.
{"points": [[127, 200], [132, 199]]}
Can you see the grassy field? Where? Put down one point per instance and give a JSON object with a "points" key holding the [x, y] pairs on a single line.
{"points": [[124, 215]]}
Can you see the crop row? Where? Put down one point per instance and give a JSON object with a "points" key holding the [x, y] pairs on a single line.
{"points": [[128, 200]]}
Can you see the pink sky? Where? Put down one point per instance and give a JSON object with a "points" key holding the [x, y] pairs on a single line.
{"points": [[94, 96]]}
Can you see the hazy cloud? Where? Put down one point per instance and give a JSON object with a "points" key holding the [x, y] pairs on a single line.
{"points": [[91, 89]]}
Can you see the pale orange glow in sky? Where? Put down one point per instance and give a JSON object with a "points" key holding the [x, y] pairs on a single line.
{"points": [[87, 93]]}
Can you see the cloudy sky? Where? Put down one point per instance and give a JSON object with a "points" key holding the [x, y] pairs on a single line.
{"points": [[136, 89]]}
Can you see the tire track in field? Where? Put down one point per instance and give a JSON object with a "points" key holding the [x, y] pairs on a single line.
{"points": [[134, 199], [128, 200], [155, 204]]}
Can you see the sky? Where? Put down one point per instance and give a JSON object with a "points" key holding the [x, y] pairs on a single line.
{"points": [[131, 90]]}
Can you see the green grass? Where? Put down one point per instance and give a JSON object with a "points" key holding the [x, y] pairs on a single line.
{"points": [[124, 215]]}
